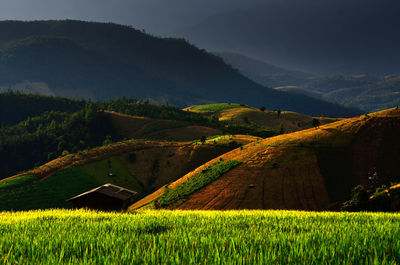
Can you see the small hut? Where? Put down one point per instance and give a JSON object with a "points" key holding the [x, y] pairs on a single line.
{"points": [[107, 197]]}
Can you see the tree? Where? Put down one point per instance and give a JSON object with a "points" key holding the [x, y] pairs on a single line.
{"points": [[316, 123], [203, 139], [282, 129], [278, 113], [262, 108]]}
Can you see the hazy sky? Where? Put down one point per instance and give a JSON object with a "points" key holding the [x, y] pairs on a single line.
{"points": [[156, 16]]}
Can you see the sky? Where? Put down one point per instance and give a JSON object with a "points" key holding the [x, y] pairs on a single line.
{"points": [[159, 17]]}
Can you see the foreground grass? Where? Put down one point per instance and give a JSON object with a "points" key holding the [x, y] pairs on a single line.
{"points": [[195, 237]]}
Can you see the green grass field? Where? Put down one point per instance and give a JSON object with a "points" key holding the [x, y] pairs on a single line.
{"points": [[199, 237], [52, 192], [217, 107]]}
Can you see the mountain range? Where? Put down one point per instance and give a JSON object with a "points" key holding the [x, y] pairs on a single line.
{"points": [[104, 60], [367, 92]]}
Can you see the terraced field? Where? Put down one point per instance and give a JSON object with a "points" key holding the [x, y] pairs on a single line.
{"points": [[281, 121], [142, 166], [310, 169]]}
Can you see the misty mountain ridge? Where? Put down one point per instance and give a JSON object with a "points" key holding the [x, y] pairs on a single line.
{"points": [[367, 92]]}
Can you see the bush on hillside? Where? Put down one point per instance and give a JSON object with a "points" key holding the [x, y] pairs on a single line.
{"points": [[359, 200]]}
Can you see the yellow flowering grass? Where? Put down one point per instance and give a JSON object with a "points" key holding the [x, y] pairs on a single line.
{"points": [[198, 237]]}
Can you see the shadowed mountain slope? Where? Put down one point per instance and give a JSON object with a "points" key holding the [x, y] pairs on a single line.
{"points": [[262, 72]]}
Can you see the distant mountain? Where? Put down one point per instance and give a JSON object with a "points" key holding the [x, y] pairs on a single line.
{"points": [[322, 37], [262, 72], [371, 96], [365, 92], [103, 61]]}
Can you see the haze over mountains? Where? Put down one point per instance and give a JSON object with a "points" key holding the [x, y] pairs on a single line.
{"points": [[328, 37], [325, 37], [104, 61], [366, 92]]}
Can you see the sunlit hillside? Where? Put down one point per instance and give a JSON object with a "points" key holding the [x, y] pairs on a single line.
{"points": [[281, 121], [142, 166], [310, 169]]}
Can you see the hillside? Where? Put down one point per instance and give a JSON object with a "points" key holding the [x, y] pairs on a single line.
{"points": [[280, 121], [143, 166], [36, 129], [104, 61], [263, 73], [310, 169], [378, 95], [134, 127], [42, 138]]}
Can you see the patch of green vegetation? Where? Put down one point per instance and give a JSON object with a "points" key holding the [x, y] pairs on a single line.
{"points": [[196, 182], [199, 237], [214, 139], [112, 171], [17, 182], [49, 193], [150, 206], [218, 107], [382, 200]]}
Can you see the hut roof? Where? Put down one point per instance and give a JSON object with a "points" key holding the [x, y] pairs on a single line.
{"points": [[111, 191]]}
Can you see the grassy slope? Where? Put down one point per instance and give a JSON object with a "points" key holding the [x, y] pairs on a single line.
{"points": [[288, 121], [154, 165], [147, 128], [49, 193], [308, 169], [100, 172], [199, 237], [212, 108]]}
